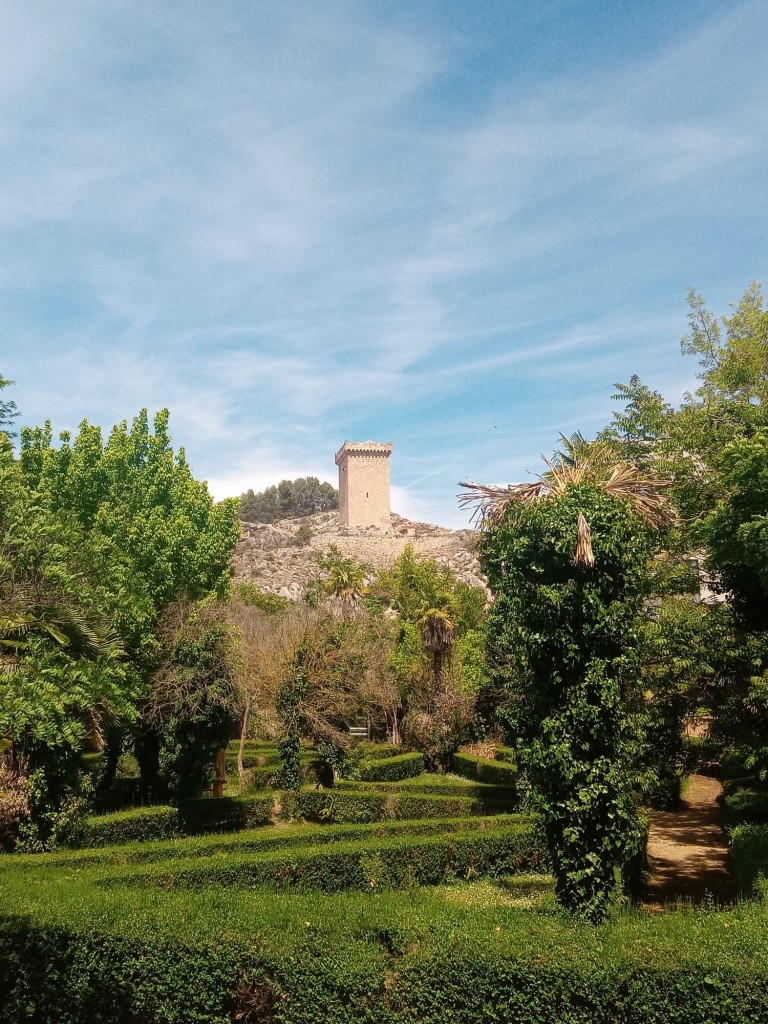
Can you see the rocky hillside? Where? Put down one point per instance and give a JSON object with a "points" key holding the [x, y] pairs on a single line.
{"points": [[279, 558]]}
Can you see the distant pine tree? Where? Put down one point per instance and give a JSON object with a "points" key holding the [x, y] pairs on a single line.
{"points": [[289, 500]]}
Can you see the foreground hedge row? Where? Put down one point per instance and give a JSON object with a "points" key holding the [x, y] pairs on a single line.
{"points": [[382, 862], [51, 972]]}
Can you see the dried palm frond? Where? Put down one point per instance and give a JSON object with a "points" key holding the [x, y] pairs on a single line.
{"points": [[488, 503], [644, 493], [619, 480], [584, 554], [582, 461]]}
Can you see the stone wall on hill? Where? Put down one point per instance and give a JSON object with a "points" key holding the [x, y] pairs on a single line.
{"points": [[273, 557]]}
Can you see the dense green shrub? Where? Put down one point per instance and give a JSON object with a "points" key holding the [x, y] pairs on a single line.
{"points": [[498, 773], [73, 975], [505, 754], [747, 805], [702, 754], [330, 805], [227, 813], [375, 751], [749, 854], [418, 806], [392, 769], [260, 778], [73, 952]]}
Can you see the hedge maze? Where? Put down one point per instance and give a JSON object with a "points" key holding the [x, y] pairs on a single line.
{"points": [[391, 897]]}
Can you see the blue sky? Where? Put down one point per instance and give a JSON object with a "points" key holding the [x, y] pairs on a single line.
{"points": [[448, 225]]}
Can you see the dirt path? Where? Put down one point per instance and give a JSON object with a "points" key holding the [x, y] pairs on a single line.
{"points": [[688, 850]]}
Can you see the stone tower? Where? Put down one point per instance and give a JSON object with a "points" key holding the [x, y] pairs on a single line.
{"points": [[363, 483]]}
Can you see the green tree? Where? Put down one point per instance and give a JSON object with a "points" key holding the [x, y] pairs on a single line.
{"points": [[143, 531], [8, 410], [194, 702], [735, 532], [567, 558], [290, 499], [62, 676], [344, 583], [435, 614], [321, 694], [152, 531]]}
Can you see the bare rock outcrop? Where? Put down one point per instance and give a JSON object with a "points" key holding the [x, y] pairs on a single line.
{"points": [[281, 558]]}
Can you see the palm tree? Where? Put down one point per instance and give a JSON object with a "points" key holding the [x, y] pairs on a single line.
{"points": [[345, 584], [437, 624], [26, 611]]}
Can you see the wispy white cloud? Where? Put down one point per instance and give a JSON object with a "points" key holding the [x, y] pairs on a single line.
{"points": [[287, 224]]}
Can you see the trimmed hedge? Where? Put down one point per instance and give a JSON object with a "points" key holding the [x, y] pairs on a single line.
{"points": [[390, 862], [227, 813], [393, 769], [376, 751], [262, 840], [505, 754], [435, 785], [139, 824], [334, 805], [72, 953], [481, 769], [72, 975]]}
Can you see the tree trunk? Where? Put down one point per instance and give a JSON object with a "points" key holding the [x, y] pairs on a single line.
{"points": [[243, 737], [220, 772]]}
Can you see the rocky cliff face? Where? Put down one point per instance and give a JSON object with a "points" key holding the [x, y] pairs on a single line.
{"points": [[278, 560]]}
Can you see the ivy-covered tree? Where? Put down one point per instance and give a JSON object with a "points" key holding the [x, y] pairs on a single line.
{"points": [[194, 702], [567, 558]]}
